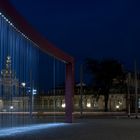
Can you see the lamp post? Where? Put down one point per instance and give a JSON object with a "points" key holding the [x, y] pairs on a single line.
{"points": [[34, 92], [81, 90], [31, 92], [136, 91], [23, 84], [128, 91]]}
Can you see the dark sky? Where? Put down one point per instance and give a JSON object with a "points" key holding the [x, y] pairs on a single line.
{"points": [[95, 28]]}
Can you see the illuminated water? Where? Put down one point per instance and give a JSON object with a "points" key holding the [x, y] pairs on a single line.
{"points": [[36, 127], [26, 73]]}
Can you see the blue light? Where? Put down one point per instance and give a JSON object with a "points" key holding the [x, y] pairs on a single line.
{"points": [[34, 91], [20, 130]]}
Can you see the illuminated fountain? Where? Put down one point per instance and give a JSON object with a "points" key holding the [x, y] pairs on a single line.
{"points": [[33, 61]]}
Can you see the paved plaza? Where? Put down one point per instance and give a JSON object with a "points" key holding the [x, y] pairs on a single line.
{"points": [[116, 128]]}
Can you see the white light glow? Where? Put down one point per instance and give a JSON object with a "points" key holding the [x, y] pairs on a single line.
{"points": [[117, 106], [4, 17], [6, 20], [20, 130], [11, 107], [88, 105], [11, 24], [23, 84], [63, 105], [120, 103], [34, 91]]}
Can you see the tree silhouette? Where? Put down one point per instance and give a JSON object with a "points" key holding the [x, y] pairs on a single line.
{"points": [[105, 74]]}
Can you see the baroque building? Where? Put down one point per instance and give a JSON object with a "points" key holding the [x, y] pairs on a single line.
{"points": [[8, 82], [14, 98], [56, 101], [9, 89]]}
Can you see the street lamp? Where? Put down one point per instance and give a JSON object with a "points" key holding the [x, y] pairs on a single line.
{"points": [[136, 90], [63, 104], [11, 108], [23, 84], [32, 92], [81, 90], [89, 105]]}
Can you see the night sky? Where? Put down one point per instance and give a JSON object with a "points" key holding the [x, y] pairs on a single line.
{"points": [[88, 28]]}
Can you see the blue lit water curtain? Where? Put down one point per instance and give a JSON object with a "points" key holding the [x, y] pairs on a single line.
{"points": [[24, 53]]}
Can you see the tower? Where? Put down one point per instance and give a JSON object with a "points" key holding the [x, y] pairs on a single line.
{"points": [[9, 85]]}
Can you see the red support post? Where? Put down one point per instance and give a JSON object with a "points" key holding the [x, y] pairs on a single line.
{"points": [[69, 92]]}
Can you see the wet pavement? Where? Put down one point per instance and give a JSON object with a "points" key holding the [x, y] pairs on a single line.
{"points": [[82, 129]]}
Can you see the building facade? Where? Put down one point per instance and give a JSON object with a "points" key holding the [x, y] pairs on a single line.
{"points": [[56, 101], [10, 99], [14, 97]]}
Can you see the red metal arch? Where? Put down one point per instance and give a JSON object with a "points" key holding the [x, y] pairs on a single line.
{"points": [[46, 46]]}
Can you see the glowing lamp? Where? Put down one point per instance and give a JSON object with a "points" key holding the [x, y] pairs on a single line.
{"points": [[23, 84], [117, 106], [88, 105], [63, 105], [11, 107]]}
